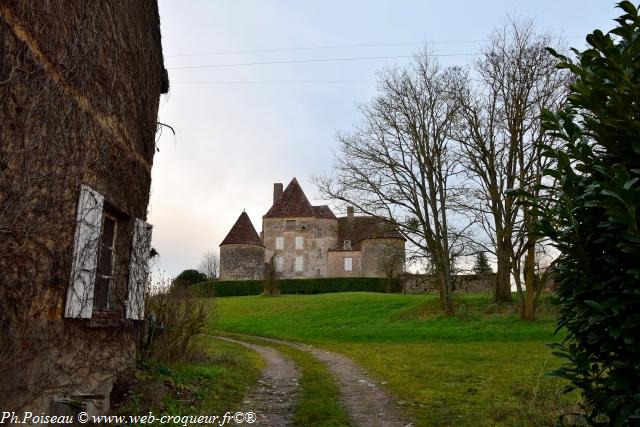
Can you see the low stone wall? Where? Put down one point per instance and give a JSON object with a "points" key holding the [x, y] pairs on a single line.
{"points": [[420, 283]]}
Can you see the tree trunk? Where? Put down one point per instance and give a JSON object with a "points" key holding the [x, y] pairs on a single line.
{"points": [[502, 288], [447, 289], [447, 297], [530, 284]]}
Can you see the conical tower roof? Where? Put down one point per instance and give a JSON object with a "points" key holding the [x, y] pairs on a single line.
{"points": [[292, 203], [242, 233]]}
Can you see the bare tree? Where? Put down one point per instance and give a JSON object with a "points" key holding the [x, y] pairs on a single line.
{"points": [[271, 287], [210, 265], [399, 164], [499, 133]]}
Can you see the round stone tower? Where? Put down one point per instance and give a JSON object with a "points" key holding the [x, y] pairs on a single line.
{"points": [[242, 252]]}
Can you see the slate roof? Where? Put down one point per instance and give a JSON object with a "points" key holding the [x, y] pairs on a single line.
{"points": [[292, 203], [359, 228], [324, 211], [242, 233]]}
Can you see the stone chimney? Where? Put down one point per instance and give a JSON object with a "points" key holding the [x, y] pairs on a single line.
{"points": [[277, 191], [350, 212]]}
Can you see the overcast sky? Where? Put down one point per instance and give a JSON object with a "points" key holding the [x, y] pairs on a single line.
{"points": [[240, 128]]}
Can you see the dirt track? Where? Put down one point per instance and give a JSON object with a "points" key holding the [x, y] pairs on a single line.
{"points": [[276, 395], [367, 403]]}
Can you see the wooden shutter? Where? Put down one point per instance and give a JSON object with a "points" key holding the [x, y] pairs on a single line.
{"points": [[138, 269], [85, 254], [299, 242]]}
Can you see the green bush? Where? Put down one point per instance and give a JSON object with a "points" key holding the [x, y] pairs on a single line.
{"points": [[593, 217], [297, 286], [189, 277]]}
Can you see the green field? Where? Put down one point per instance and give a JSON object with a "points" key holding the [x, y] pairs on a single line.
{"points": [[483, 367]]}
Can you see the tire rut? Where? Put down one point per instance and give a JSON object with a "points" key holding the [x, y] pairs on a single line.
{"points": [[367, 403], [275, 398]]}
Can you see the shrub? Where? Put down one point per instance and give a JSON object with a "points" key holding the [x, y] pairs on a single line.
{"points": [[173, 320], [297, 286], [593, 217], [189, 277]]}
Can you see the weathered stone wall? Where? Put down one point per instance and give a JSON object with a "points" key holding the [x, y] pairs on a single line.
{"points": [[319, 236], [79, 89], [419, 283], [241, 262], [382, 257], [336, 263]]}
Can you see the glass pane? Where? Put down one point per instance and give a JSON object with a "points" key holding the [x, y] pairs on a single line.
{"points": [[108, 231], [101, 293], [104, 261], [290, 224]]}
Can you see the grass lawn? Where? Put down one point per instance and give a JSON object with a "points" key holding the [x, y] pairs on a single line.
{"points": [[483, 367]]}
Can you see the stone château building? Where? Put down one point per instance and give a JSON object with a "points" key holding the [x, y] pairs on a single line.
{"points": [[305, 241]]}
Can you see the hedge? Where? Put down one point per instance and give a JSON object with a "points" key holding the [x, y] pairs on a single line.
{"points": [[296, 286]]}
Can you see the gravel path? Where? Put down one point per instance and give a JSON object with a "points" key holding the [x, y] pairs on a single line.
{"points": [[276, 395], [367, 403]]}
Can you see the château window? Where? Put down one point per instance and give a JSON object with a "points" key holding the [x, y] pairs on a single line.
{"points": [[319, 253], [299, 242], [280, 242], [348, 264], [299, 266], [290, 224], [279, 263], [346, 245], [318, 233]]}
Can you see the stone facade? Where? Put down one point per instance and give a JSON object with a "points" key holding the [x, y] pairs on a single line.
{"points": [[80, 95], [339, 261], [383, 257], [241, 262], [305, 241]]}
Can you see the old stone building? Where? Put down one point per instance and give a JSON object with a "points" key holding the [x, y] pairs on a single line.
{"points": [[80, 84], [242, 252], [304, 241]]}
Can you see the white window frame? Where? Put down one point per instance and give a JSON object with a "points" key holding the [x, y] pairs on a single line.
{"points": [[299, 264], [299, 242], [346, 245], [278, 262], [86, 246], [348, 264], [138, 269], [279, 243]]}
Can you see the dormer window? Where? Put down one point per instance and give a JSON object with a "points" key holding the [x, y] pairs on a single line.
{"points": [[346, 245]]}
